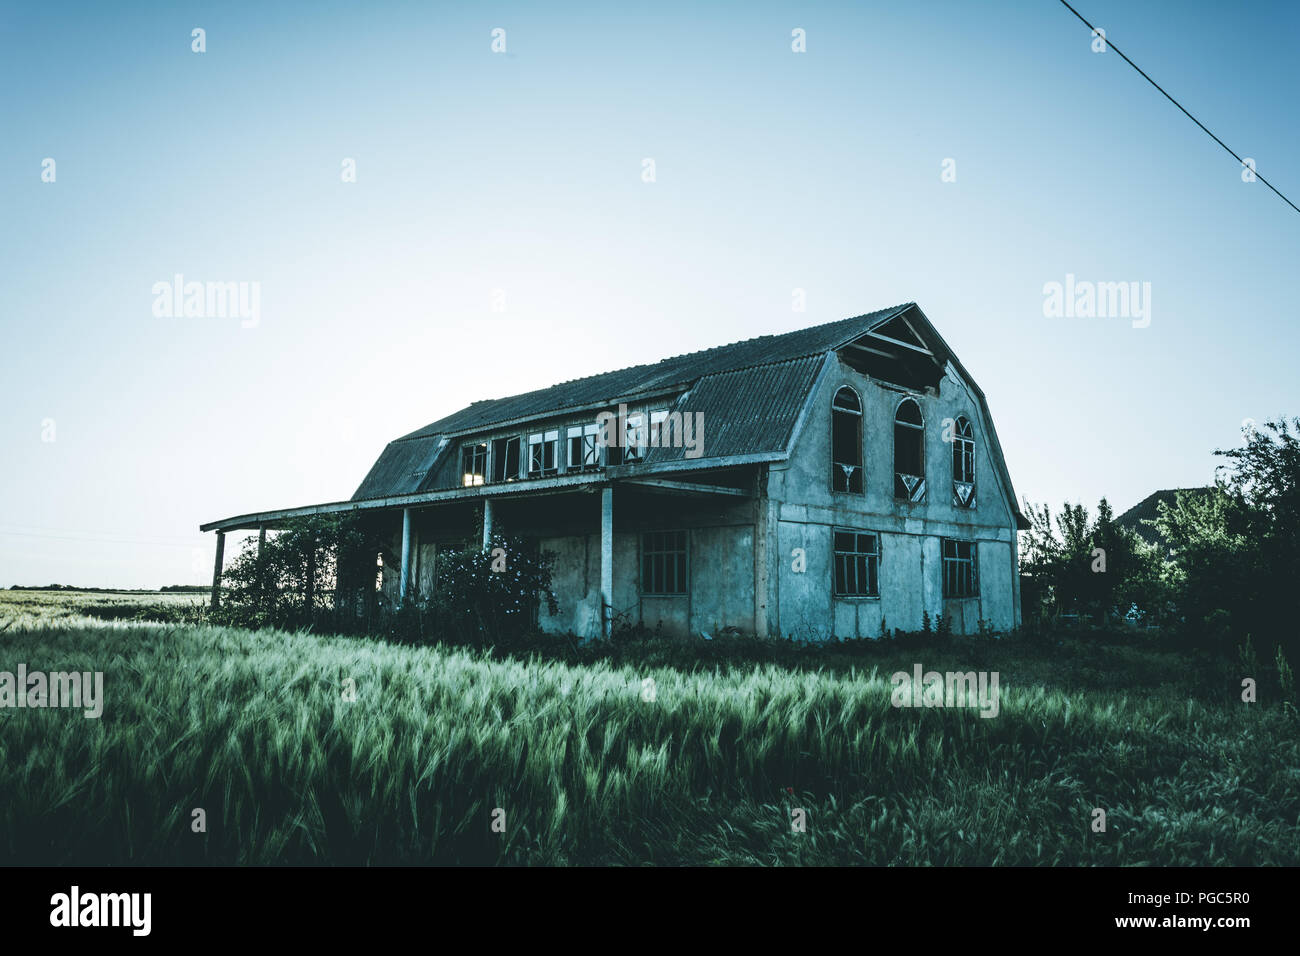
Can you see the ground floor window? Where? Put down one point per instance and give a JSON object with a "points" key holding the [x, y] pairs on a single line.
{"points": [[960, 570], [857, 564], [663, 562]]}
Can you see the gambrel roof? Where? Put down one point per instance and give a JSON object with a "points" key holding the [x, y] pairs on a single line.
{"points": [[754, 396]]}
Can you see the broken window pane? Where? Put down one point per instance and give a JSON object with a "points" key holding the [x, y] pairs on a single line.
{"points": [[846, 442], [963, 464], [909, 452], [505, 459]]}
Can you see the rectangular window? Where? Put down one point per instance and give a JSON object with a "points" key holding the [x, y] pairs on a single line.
{"points": [[960, 570], [543, 453], [857, 564], [663, 562], [505, 459], [584, 454], [634, 439], [473, 463]]}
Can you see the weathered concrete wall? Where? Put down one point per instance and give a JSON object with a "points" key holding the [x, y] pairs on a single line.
{"points": [[911, 567], [720, 591], [721, 579]]}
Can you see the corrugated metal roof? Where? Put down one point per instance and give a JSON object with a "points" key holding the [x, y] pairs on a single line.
{"points": [[751, 394], [747, 411], [402, 466], [608, 387]]}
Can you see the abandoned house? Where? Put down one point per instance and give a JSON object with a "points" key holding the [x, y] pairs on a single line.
{"points": [[828, 482]]}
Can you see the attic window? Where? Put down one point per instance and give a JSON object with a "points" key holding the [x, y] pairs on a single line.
{"points": [[543, 452], [909, 452], [846, 441], [505, 459], [473, 464]]}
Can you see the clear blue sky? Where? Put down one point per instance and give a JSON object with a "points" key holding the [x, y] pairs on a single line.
{"points": [[522, 171]]}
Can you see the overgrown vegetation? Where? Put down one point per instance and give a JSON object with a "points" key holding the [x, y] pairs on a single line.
{"points": [[1232, 562], [321, 573]]}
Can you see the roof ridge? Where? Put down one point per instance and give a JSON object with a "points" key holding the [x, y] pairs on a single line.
{"points": [[701, 352]]}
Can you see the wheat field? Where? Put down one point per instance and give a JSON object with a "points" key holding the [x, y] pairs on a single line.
{"points": [[450, 756]]}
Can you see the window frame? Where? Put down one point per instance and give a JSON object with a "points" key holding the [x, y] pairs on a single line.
{"points": [[963, 457], [897, 424], [681, 563], [473, 453], [957, 562], [504, 442], [636, 438], [541, 440], [871, 566], [588, 437], [837, 467]]}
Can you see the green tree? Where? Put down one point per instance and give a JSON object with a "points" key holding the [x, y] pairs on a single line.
{"points": [[1235, 551]]}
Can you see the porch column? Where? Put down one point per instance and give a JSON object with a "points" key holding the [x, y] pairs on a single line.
{"points": [[606, 559], [404, 575], [487, 523], [217, 568]]}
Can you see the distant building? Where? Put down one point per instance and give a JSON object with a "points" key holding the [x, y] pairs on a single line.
{"points": [[816, 484], [1138, 517]]}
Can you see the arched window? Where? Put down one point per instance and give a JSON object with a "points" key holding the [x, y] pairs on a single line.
{"points": [[846, 441], [909, 452], [963, 464]]}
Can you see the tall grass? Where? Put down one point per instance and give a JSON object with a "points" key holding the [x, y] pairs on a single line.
{"points": [[253, 728]]}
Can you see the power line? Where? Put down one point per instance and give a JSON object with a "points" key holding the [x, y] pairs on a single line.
{"points": [[1112, 46]]}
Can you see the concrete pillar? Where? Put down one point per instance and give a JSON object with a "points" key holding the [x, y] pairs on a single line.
{"points": [[606, 559], [404, 576], [217, 568], [487, 523]]}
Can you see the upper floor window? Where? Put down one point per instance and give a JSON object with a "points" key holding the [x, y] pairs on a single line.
{"points": [[634, 438], [846, 441], [657, 437], [857, 564], [963, 464], [584, 450], [505, 459], [909, 451], [960, 569], [473, 463], [543, 453]]}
